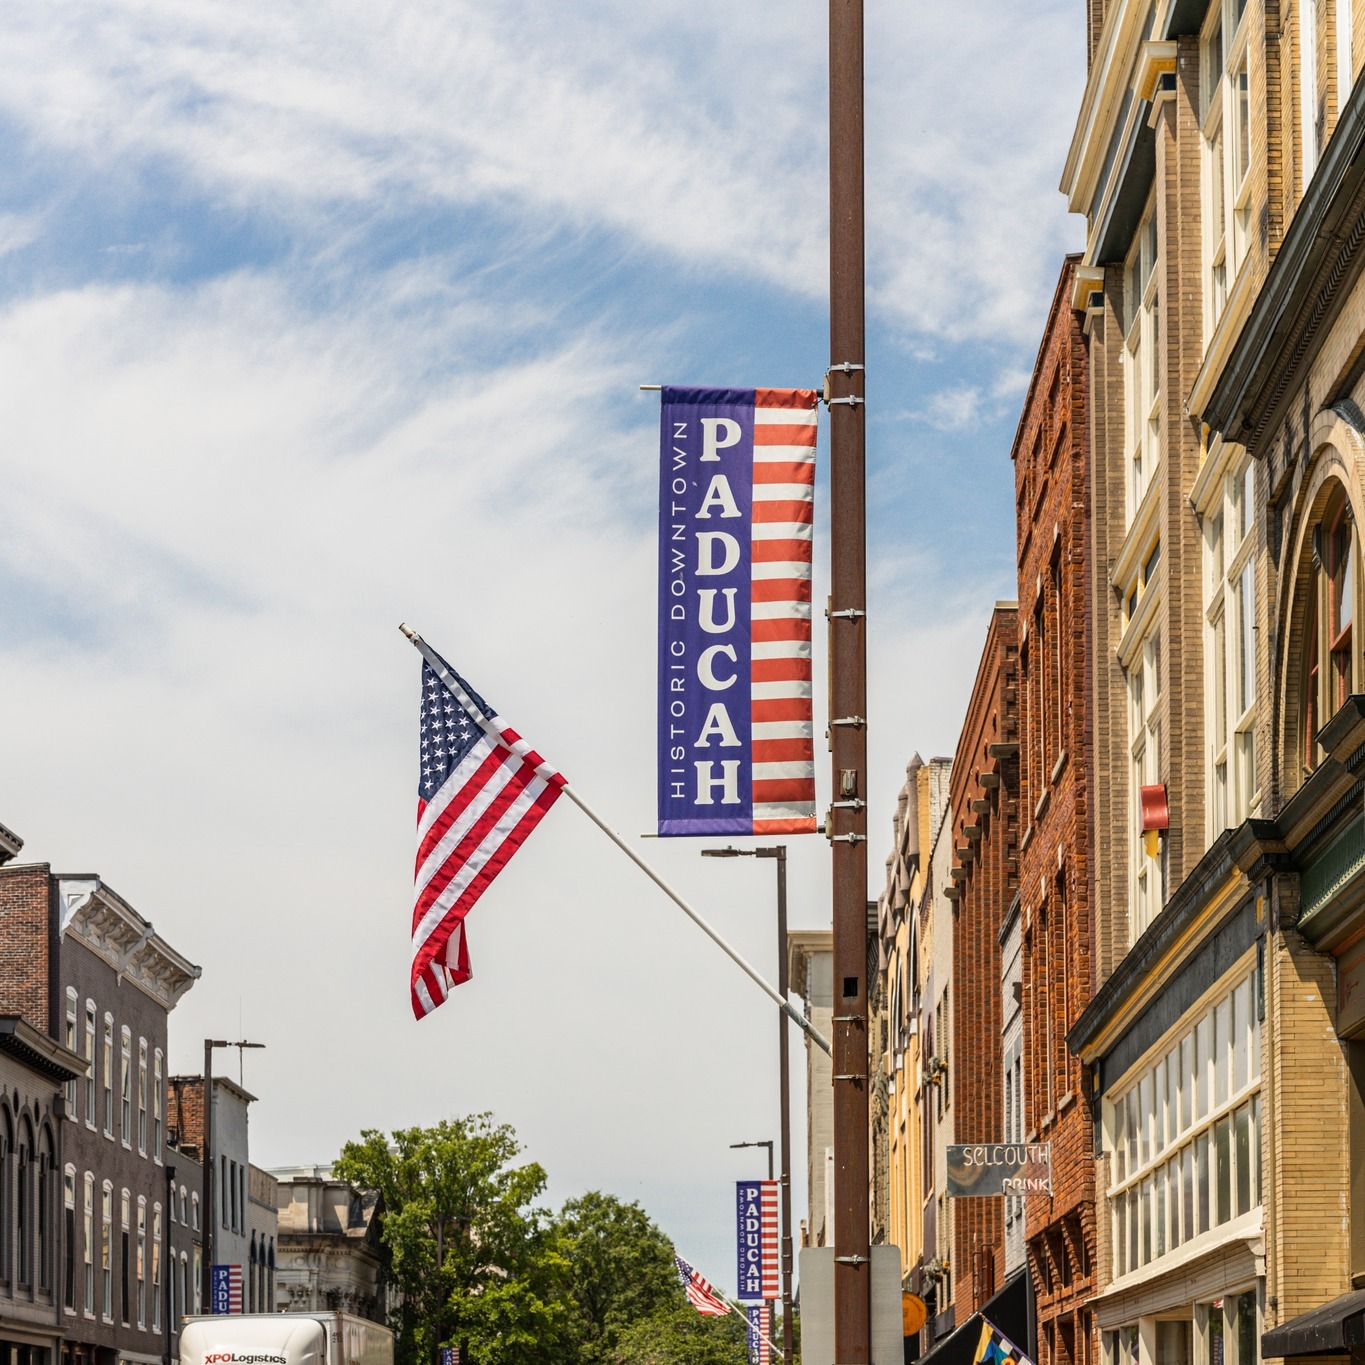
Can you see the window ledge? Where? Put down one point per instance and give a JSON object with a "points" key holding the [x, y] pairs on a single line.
{"points": [[1043, 801], [1066, 1102], [1027, 839], [1059, 767]]}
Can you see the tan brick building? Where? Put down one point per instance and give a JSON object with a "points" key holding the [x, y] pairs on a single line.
{"points": [[1054, 907]]}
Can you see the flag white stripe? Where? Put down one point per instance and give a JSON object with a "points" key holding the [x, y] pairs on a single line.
{"points": [[781, 611], [780, 530], [784, 492], [778, 772], [474, 864], [780, 649], [464, 822], [779, 691], [785, 417], [783, 729], [779, 810], [784, 454], [780, 568]]}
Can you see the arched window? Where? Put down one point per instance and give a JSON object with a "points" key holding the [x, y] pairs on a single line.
{"points": [[270, 1278], [6, 1192], [46, 1170], [251, 1278], [23, 1203], [1330, 663]]}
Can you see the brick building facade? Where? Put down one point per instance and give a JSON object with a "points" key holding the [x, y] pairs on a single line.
{"points": [[983, 798], [1053, 540]]}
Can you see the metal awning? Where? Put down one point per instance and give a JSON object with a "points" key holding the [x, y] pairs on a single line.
{"points": [[1007, 1312], [1333, 1329]]}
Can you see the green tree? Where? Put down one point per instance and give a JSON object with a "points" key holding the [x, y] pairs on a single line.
{"points": [[474, 1261], [679, 1335], [620, 1269]]}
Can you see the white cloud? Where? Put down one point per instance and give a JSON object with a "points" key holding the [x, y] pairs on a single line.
{"points": [[608, 117]]}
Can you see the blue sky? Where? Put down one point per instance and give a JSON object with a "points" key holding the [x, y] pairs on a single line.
{"points": [[316, 315]]}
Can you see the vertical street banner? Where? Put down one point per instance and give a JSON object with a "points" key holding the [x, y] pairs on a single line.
{"points": [[760, 1329], [225, 1289], [736, 508], [756, 1240]]}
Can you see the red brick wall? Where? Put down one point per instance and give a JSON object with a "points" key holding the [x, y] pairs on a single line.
{"points": [[187, 1110], [24, 963], [1053, 528], [984, 852]]}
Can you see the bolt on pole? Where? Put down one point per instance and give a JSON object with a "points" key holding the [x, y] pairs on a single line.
{"points": [[847, 821]]}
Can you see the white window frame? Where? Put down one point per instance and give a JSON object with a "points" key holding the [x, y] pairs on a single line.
{"points": [[108, 1051], [1310, 132], [1162, 1129], [1230, 635], [91, 1014], [88, 1265], [1141, 359], [1146, 883], [1225, 106], [125, 1077], [72, 1041]]}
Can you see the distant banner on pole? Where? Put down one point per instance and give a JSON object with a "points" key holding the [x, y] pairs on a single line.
{"points": [[756, 1239], [760, 1329], [225, 1289], [736, 507]]}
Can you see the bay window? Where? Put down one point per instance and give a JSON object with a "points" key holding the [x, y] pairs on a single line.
{"points": [[1225, 108], [1147, 879], [1142, 377]]}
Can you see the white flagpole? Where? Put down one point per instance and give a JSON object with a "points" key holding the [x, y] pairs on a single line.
{"points": [[795, 1015]]}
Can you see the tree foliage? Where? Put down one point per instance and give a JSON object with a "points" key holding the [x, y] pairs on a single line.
{"points": [[475, 1261]]}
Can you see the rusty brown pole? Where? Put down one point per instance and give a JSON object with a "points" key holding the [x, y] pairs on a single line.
{"points": [[847, 824]]}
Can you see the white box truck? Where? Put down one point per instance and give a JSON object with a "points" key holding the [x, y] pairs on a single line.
{"points": [[284, 1339]]}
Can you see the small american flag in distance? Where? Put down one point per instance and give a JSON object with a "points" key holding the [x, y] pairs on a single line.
{"points": [[700, 1294], [481, 789]]}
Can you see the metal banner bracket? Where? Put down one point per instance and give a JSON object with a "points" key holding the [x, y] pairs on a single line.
{"points": [[852, 1260], [847, 367], [851, 1077], [852, 401], [855, 804], [847, 614], [857, 722], [847, 838]]}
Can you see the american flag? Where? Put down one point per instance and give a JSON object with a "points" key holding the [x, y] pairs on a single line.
{"points": [[700, 1294], [480, 791]]}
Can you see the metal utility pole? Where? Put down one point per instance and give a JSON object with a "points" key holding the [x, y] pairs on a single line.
{"points": [[778, 852], [847, 822], [206, 1271]]}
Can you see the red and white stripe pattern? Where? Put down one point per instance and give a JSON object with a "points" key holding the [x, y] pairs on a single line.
{"points": [[760, 1332], [783, 517], [699, 1292], [234, 1278], [481, 790], [772, 1286]]}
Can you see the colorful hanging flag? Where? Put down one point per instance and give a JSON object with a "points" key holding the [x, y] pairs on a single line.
{"points": [[736, 507], [699, 1293], [480, 791], [759, 1317], [995, 1348], [756, 1239]]}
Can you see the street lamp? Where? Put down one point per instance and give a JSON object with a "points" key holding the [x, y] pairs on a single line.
{"points": [[206, 1273], [734, 1146], [777, 852]]}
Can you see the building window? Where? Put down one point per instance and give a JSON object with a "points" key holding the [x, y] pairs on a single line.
{"points": [[158, 1102], [1147, 880], [69, 1239], [142, 1096], [1331, 668], [156, 1268], [1346, 67], [1185, 1135], [194, 1220], [72, 1043], [23, 1229], [251, 1277], [142, 1262], [107, 1252], [46, 1165], [1225, 98], [109, 1075], [89, 1230], [185, 1209], [125, 1257], [1230, 650], [198, 1279], [126, 1090], [1141, 359], [90, 1063]]}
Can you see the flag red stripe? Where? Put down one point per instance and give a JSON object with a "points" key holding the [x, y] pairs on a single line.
{"points": [[779, 551], [459, 801], [782, 434], [784, 628], [785, 510], [784, 751], [780, 670], [784, 471], [784, 398]]}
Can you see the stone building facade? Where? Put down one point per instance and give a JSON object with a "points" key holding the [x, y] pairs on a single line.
{"points": [[1052, 487], [81, 965], [810, 969]]}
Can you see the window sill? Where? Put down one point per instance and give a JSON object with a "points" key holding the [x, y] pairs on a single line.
{"points": [[1066, 1102], [1059, 767], [1027, 839], [1043, 802]]}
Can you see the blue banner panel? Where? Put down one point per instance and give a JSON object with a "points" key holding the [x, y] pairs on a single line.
{"points": [[706, 486], [749, 1239]]}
